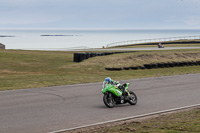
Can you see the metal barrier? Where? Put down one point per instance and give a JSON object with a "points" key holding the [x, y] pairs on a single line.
{"points": [[156, 40]]}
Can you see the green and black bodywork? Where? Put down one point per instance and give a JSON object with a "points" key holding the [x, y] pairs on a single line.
{"points": [[118, 95]]}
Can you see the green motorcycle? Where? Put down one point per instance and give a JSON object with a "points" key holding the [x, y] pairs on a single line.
{"points": [[118, 95]]}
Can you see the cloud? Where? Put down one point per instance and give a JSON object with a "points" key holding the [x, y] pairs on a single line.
{"points": [[19, 2], [193, 20], [100, 13], [28, 18], [33, 20]]}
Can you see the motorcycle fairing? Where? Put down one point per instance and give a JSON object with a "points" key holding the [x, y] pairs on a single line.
{"points": [[112, 89]]}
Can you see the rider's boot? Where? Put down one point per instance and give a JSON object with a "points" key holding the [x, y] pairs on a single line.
{"points": [[126, 97]]}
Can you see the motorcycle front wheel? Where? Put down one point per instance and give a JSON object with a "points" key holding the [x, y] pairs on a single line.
{"points": [[133, 98], [108, 100]]}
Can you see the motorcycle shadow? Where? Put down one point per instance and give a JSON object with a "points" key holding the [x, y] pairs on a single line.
{"points": [[116, 106]]}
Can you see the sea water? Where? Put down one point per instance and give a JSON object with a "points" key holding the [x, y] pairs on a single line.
{"points": [[52, 39]]}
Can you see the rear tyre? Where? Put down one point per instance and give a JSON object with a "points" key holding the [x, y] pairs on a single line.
{"points": [[108, 100], [133, 98]]}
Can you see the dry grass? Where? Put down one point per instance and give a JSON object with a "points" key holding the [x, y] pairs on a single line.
{"points": [[31, 69], [140, 58]]}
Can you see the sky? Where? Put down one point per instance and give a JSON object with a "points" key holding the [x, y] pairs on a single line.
{"points": [[100, 14]]}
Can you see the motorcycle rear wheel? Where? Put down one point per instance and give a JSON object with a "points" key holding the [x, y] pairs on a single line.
{"points": [[108, 100], [133, 100]]}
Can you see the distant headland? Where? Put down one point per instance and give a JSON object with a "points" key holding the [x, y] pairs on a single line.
{"points": [[60, 35]]}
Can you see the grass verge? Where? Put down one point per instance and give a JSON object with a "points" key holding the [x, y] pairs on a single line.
{"points": [[180, 122], [30, 69]]}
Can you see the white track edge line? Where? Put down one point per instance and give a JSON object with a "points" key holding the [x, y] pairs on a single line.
{"points": [[127, 118]]}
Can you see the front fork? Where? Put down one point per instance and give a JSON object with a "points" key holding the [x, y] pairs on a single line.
{"points": [[109, 95]]}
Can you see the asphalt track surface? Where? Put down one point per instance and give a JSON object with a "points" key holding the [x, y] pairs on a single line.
{"points": [[41, 110]]}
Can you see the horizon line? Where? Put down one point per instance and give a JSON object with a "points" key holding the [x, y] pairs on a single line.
{"points": [[99, 29]]}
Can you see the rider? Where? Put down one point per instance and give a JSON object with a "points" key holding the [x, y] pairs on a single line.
{"points": [[108, 80]]}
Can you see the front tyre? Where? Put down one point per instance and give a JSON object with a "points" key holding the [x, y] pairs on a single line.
{"points": [[108, 100], [133, 98]]}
